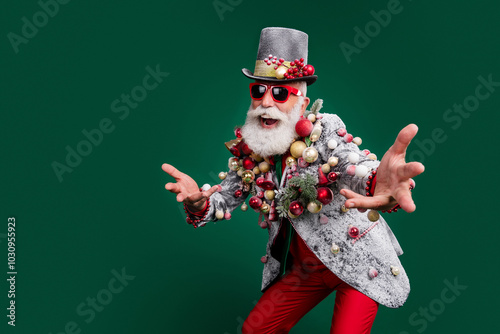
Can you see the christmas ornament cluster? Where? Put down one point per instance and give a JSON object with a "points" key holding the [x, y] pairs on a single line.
{"points": [[295, 69], [301, 193]]}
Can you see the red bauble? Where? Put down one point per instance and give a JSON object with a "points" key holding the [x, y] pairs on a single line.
{"points": [[296, 208], [248, 163], [245, 149], [238, 193], [260, 181], [325, 195], [332, 176], [303, 127], [353, 231], [255, 202], [309, 69], [237, 132], [234, 151]]}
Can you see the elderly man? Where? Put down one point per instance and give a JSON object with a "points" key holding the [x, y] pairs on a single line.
{"points": [[296, 163]]}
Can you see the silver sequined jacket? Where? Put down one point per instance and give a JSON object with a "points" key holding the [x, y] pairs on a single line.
{"points": [[378, 249]]}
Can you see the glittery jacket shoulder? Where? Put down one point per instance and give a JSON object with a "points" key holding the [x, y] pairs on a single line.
{"points": [[377, 249]]}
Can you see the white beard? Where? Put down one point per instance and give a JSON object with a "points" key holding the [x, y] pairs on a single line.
{"points": [[268, 142]]}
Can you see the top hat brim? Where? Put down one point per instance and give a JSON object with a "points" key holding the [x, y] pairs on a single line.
{"points": [[310, 79]]}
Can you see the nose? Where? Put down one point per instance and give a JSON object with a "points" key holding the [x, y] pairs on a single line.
{"points": [[267, 100]]}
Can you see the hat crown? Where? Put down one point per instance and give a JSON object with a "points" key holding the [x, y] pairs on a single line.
{"points": [[286, 43]]}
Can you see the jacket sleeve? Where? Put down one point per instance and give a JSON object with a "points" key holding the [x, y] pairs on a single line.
{"points": [[348, 154], [224, 201]]}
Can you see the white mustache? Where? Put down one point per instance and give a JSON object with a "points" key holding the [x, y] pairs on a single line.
{"points": [[272, 112]]}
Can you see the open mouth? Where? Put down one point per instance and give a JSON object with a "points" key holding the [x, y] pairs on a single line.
{"points": [[268, 122]]}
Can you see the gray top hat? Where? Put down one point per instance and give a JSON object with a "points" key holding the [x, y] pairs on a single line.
{"points": [[282, 57]]}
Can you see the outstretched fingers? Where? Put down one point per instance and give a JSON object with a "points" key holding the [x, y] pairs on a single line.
{"points": [[404, 138], [355, 200], [173, 187], [410, 169], [406, 202], [172, 171]]}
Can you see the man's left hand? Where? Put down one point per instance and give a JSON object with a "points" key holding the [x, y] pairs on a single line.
{"points": [[393, 178]]}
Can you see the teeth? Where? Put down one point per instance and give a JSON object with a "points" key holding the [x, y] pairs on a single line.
{"points": [[266, 116]]}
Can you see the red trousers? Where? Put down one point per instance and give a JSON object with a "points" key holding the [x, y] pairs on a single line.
{"points": [[303, 286]]}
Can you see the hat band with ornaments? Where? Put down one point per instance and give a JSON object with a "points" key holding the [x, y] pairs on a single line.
{"points": [[282, 56]]}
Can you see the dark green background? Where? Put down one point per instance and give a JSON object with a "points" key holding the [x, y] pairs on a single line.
{"points": [[112, 211]]}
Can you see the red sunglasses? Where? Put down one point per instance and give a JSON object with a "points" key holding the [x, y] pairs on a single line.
{"points": [[279, 93]]}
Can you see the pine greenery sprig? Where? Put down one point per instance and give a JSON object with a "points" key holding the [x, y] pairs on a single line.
{"points": [[253, 190], [316, 107], [300, 188]]}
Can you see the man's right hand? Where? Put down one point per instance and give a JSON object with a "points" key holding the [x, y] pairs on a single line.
{"points": [[187, 189]]}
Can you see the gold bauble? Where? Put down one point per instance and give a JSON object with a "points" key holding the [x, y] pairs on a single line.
{"points": [[313, 207], [233, 164], [335, 248], [264, 208], [222, 175], [333, 161], [244, 207], [290, 161], [297, 148], [310, 154], [325, 168], [269, 195], [372, 156], [219, 214], [357, 141], [264, 167], [280, 72], [256, 157], [311, 117], [256, 170], [240, 171], [395, 270], [247, 176], [373, 215]]}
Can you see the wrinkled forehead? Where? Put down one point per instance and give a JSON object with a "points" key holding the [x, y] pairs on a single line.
{"points": [[294, 84]]}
